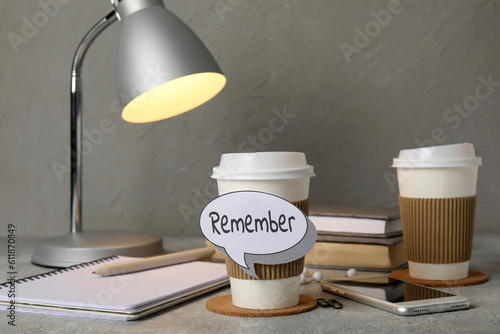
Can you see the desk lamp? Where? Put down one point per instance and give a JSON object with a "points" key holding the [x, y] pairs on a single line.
{"points": [[162, 70]]}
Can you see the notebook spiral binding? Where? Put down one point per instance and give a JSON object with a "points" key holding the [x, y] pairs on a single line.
{"points": [[56, 272]]}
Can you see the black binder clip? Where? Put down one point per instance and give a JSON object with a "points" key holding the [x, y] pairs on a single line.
{"points": [[329, 303]]}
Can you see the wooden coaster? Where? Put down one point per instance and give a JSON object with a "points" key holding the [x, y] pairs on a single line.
{"points": [[475, 277], [224, 305]]}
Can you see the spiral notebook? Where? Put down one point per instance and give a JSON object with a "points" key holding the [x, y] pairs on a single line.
{"points": [[76, 291]]}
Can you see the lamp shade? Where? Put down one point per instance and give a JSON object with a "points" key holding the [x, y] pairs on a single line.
{"points": [[163, 68]]}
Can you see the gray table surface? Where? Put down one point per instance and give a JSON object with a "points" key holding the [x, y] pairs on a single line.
{"points": [[193, 317]]}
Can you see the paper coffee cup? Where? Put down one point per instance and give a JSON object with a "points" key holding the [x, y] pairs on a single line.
{"points": [[437, 189], [283, 174]]}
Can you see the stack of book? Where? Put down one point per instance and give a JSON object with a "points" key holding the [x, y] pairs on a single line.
{"points": [[361, 237]]}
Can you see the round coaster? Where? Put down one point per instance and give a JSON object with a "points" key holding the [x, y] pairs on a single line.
{"points": [[475, 277], [224, 305]]}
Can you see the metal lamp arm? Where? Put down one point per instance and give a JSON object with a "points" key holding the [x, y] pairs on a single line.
{"points": [[76, 120]]}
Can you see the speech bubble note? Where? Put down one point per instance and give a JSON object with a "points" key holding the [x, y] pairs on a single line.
{"points": [[254, 227]]}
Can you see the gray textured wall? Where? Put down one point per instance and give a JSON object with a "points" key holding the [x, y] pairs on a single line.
{"points": [[415, 81]]}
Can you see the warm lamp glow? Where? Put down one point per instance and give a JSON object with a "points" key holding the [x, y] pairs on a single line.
{"points": [[173, 97]]}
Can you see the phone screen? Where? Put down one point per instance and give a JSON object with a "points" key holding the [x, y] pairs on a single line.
{"points": [[389, 289]]}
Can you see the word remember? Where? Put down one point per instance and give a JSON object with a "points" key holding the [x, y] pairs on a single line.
{"points": [[266, 225]]}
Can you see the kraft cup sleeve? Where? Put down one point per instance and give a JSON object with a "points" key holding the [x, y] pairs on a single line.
{"points": [[267, 272], [271, 272], [438, 230]]}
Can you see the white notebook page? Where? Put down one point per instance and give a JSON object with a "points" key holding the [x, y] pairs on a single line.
{"points": [[81, 288]]}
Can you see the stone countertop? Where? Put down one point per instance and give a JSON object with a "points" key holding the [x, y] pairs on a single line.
{"points": [[193, 317]]}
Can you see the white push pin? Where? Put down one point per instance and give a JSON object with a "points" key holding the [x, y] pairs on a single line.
{"points": [[352, 272], [317, 276]]}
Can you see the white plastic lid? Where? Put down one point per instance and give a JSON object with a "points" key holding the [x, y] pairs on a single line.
{"points": [[263, 166], [455, 155]]}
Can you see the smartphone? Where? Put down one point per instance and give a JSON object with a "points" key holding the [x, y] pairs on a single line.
{"points": [[395, 296]]}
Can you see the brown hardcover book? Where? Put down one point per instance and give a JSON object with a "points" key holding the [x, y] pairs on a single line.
{"points": [[364, 221], [356, 255], [328, 237]]}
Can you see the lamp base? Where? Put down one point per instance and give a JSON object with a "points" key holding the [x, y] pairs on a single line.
{"points": [[80, 247]]}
